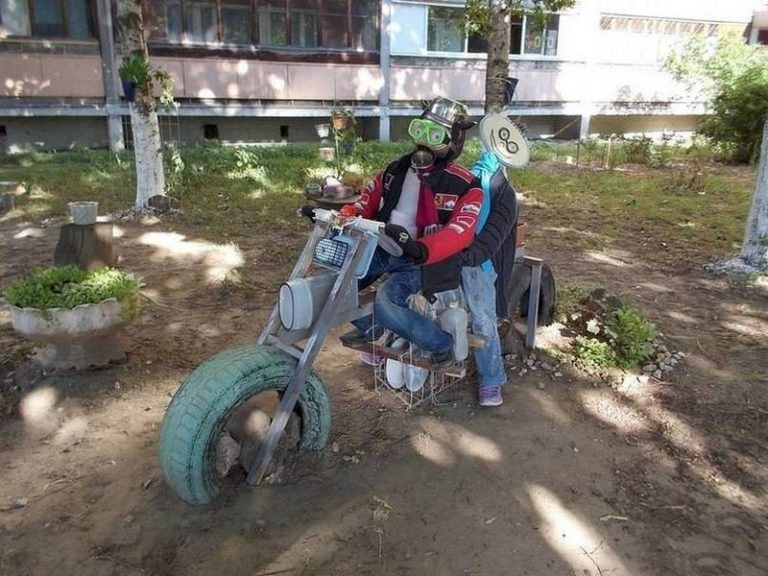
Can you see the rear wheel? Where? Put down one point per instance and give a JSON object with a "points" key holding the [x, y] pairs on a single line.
{"points": [[226, 403], [520, 291]]}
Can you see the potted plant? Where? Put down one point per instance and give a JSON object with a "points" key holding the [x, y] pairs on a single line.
{"points": [[75, 313], [134, 71], [342, 119], [137, 71]]}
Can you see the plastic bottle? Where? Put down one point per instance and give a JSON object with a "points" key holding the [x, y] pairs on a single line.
{"points": [[454, 321]]}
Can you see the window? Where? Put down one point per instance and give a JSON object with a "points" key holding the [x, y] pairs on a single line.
{"points": [[15, 17], [660, 26], [47, 18], [339, 24], [236, 21], [200, 21], [365, 16], [542, 39], [445, 33], [444, 30], [304, 23], [333, 23], [273, 24]]}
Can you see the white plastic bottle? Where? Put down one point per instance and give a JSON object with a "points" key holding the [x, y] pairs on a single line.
{"points": [[454, 321]]}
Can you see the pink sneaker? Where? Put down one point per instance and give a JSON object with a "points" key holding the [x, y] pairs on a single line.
{"points": [[490, 396], [370, 359]]}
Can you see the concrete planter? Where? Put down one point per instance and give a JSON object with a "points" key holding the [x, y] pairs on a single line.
{"points": [[79, 338], [83, 213]]}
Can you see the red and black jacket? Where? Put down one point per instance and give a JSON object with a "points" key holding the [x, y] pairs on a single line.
{"points": [[450, 201]]}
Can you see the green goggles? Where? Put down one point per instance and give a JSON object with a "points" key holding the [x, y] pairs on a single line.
{"points": [[428, 133]]}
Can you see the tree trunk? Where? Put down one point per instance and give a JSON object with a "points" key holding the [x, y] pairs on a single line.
{"points": [[497, 67], [754, 251], [150, 179]]}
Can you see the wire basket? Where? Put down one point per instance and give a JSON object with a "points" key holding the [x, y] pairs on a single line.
{"points": [[331, 252]]}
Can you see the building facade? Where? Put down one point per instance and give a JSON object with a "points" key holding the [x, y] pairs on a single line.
{"points": [[270, 70]]}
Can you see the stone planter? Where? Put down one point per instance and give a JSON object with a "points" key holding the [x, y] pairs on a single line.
{"points": [[84, 336]]}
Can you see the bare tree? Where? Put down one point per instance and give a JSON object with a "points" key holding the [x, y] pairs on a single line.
{"points": [[754, 251], [492, 18], [150, 179]]}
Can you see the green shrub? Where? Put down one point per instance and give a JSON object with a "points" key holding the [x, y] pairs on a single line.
{"points": [[607, 330], [630, 335], [638, 150], [69, 286]]}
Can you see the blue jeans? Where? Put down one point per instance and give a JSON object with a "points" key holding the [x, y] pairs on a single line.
{"points": [[381, 263], [391, 307], [479, 288]]}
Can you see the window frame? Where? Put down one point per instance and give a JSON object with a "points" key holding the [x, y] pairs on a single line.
{"points": [[521, 55], [93, 24], [318, 10]]}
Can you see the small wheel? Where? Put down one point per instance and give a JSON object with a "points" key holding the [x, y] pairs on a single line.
{"points": [[191, 433]]}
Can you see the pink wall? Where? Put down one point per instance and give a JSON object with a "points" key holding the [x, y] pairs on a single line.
{"points": [[252, 79], [51, 75]]}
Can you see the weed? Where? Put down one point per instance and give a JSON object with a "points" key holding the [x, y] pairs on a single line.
{"points": [[608, 331], [569, 296], [592, 353]]}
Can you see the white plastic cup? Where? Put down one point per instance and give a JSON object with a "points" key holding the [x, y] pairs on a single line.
{"points": [[83, 213]]}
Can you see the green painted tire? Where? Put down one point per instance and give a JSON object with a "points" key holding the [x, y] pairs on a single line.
{"points": [[206, 399]]}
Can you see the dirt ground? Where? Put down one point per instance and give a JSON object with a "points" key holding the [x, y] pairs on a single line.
{"points": [[571, 476]]}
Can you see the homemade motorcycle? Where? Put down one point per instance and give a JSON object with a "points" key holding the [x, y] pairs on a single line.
{"points": [[216, 417], [247, 403]]}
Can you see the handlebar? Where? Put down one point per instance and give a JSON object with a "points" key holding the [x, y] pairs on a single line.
{"points": [[364, 225]]}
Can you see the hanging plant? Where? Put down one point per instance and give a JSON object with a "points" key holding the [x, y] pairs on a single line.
{"points": [[136, 71]]}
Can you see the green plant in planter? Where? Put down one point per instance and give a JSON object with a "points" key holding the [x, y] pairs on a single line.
{"points": [[137, 71], [69, 287]]}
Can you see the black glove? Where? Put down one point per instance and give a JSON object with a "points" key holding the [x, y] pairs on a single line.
{"points": [[411, 247], [308, 211], [445, 275]]}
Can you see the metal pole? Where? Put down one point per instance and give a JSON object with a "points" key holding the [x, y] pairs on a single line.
{"points": [[109, 75], [384, 68], [346, 281], [533, 299]]}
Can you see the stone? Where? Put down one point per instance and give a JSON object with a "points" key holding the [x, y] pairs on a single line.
{"points": [[657, 374], [649, 368], [546, 366]]}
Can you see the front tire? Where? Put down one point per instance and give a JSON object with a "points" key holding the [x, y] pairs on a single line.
{"points": [[207, 398]]}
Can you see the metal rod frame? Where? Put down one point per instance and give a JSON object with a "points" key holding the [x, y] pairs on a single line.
{"points": [[536, 265], [329, 317]]}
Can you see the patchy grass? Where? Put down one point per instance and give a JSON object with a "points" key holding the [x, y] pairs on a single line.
{"points": [[646, 209], [687, 212]]}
